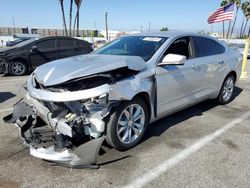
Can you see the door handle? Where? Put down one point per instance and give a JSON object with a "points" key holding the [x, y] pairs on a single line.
{"points": [[220, 62]]}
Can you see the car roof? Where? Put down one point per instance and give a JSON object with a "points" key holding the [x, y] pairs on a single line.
{"points": [[170, 34], [58, 37]]}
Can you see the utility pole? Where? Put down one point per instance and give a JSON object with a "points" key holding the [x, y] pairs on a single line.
{"points": [[141, 28], [14, 24], [149, 26], [106, 23]]}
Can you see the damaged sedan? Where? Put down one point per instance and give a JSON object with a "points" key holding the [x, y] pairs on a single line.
{"points": [[74, 104]]}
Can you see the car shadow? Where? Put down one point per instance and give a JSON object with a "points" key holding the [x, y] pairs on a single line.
{"points": [[159, 127], [4, 96]]}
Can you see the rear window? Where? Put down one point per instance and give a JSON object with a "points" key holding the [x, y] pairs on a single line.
{"points": [[81, 43], [206, 47]]}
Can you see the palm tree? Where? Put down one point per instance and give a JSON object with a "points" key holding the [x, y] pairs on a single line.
{"points": [[223, 3], [247, 16], [70, 17], [243, 8], [77, 17], [238, 5], [63, 14]]}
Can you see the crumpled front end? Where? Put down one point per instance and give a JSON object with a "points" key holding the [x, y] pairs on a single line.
{"points": [[64, 121], [66, 127]]}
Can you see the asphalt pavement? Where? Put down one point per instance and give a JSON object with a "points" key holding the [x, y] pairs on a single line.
{"points": [[203, 146]]}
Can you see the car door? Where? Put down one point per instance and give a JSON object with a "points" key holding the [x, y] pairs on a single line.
{"points": [[177, 84], [210, 62], [43, 52], [66, 47]]}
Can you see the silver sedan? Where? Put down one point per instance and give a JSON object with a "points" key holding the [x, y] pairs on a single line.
{"points": [[73, 104]]}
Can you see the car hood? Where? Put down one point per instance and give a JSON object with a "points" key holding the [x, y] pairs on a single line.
{"points": [[62, 70]]}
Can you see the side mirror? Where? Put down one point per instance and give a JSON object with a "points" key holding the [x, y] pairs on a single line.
{"points": [[173, 59], [34, 49]]}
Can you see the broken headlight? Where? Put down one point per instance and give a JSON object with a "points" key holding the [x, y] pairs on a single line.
{"points": [[101, 100]]}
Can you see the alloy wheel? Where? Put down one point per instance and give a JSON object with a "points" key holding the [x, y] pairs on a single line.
{"points": [[228, 89], [17, 68], [131, 124]]}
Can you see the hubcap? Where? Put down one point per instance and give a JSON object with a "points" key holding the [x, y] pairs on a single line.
{"points": [[131, 124], [17, 68], [228, 89]]}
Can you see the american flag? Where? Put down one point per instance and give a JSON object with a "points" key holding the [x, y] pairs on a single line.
{"points": [[222, 14]]}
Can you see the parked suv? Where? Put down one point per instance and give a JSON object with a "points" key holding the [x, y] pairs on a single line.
{"points": [[27, 55]]}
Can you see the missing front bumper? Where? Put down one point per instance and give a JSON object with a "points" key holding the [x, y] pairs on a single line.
{"points": [[42, 140]]}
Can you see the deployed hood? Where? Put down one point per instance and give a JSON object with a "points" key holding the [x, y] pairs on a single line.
{"points": [[62, 70]]}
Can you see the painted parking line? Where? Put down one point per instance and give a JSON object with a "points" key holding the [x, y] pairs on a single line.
{"points": [[6, 110], [15, 79], [154, 173]]}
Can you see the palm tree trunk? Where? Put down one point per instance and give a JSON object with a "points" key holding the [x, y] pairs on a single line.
{"points": [[229, 27], [74, 26], [70, 17], [242, 26], [248, 32], [63, 14], [245, 27], [223, 29], [77, 23], [234, 23]]}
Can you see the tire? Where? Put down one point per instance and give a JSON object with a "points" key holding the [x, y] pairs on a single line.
{"points": [[226, 93], [17, 68], [2, 68], [121, 114]]}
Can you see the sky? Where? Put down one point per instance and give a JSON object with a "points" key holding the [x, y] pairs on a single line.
{"points": [[190, 15]]}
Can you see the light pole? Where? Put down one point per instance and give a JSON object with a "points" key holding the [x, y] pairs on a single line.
{"points": [[106, 23]]}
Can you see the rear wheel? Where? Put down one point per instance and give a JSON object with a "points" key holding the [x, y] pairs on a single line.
{"points": [[17, 68], [127, 124], [226, 92]]}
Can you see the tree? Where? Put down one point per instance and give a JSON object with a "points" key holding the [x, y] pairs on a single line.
{"points": [[164, 29], [70, 17], [63, 15], [247, 16], [223, 3], [77, 17], [238, 5]]}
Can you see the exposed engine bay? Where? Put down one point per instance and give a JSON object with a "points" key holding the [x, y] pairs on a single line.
{"points": [[65, 123]]}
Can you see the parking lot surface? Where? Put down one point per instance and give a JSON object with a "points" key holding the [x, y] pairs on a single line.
{"points": [[203, 146]]}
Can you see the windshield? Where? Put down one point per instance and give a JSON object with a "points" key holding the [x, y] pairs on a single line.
{"points": [[142, 46], [20, 44]]}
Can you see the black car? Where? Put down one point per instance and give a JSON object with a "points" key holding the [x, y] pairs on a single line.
{"points": [[26, 56]]}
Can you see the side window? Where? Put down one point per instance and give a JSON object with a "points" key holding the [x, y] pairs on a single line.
{"points": [[81, 43], [46, 45], [181, 47], [206, 47], [66, 43]]}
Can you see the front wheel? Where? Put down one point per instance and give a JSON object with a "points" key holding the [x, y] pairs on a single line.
{"points": [[17, 68], [227, 89], [127, 124]]}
